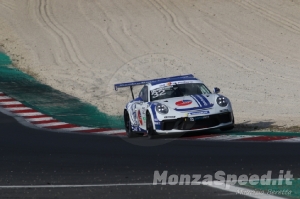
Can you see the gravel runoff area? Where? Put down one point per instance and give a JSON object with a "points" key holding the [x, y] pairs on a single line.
{"points": [[250, 49]]}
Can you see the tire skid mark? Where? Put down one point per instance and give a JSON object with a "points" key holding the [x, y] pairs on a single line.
{"points": [[270, 15], [8, 4], [128, 31], [124, 26], [233, 28], [114, 45], [42, 20], [65, 40], [191, 39], [35, 11], [260, 72], [69, 42], [224, 56], [108, 31]]}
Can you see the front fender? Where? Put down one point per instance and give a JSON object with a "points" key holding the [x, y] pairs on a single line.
{"points": [[152, 112]]}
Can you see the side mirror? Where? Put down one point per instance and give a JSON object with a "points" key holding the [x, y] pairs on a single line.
{"points": [[216, 90]]}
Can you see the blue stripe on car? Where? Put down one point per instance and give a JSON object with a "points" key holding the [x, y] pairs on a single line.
{"points": [[196, 101], [203, 101]]}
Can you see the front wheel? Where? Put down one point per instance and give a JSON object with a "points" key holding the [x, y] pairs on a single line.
{"points": [[151, 132], [128, 127]]}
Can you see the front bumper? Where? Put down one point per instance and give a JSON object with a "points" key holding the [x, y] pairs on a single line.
{"points": [[187, 124]]}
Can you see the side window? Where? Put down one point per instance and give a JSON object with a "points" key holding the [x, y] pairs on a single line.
{"points": [[144, 94], [145, 98]]}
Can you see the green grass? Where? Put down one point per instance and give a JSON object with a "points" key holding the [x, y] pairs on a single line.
{"points": [[47, 100]]}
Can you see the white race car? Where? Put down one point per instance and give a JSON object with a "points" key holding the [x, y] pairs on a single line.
{"points": [[175, 105]]}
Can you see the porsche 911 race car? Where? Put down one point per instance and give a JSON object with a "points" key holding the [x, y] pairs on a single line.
{"points": [[175, 105]]}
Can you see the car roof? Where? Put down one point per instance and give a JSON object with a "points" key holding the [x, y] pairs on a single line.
{"points": [[172, 80]]}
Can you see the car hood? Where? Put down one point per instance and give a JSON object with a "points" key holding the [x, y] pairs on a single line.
{"points": [[190, 102]]}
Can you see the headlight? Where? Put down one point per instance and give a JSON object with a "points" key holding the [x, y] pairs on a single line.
{"points": [[222, 101], [161, 108]]}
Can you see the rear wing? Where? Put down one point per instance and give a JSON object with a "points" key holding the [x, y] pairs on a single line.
{"points": [[136, 83]]}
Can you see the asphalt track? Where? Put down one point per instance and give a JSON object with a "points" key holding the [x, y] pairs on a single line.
{"points": [[37, 157]]}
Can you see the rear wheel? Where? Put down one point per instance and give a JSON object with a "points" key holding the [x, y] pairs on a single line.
{"points": [[151, 132], [128, 127]]}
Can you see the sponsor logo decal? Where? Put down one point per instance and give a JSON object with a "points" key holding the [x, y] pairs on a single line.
{"points": [[169, 117], [183, 102], [224, 110], [132, 112], [137, 129], [158, 92], [140, 117], [199, 112], [198, 118]]}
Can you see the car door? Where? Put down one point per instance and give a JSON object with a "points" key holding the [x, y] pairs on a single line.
{"points": [[141, 108]]}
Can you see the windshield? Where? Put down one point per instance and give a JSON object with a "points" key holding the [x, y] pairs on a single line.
{"points": [[178, 90]]}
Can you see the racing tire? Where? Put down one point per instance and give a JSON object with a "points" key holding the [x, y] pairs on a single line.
{"points": [[129, 132], [151, 132]]}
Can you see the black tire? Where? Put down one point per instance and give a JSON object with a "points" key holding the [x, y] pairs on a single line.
{"points": [[129, 132], [151, 132]]}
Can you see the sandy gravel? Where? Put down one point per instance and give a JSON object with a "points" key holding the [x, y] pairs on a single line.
{"points": [[249, 48]]}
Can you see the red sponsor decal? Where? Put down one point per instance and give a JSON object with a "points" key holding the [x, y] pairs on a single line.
{"points": [[140, 117], [183, 102]]}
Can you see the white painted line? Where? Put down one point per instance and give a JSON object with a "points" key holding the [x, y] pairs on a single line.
{"points": [[10, 103], [227, 137], [51, 124], [73, 186], [76, 129], [288, 140], [4, 97], [39, 119], [234, 189], [18, 108], [29, 114], [237, 190]]}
